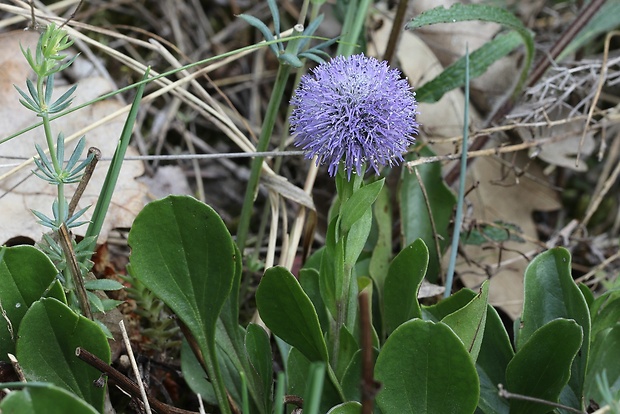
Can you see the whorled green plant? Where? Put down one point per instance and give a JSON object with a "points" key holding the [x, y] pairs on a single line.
{"points": [[49, 58], [46, 62]]}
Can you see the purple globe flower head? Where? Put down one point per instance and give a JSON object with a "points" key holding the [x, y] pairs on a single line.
{"points": [[354, 110]]}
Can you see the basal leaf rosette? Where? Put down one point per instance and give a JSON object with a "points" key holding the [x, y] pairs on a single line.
{"points": [[354, 110]]}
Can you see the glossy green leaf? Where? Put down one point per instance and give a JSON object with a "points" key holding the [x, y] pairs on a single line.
{"points": [[469, 321], [605, 311], [309, 281], [183, 252], [415, 217], [449, 305], [195, 376], [351, 379], [359, 203], [551, 293], [356, 238], [402, 284], [495, 354], [289, 313], [351, 407], [604, 356], [331, 272], [542, 365], [56, 291], [48, 336], [587, 295], [40, 398], [258, 350], [347, 348], [103, 284], [25, 274], [262, 27], [424, 368], [382, 251]]}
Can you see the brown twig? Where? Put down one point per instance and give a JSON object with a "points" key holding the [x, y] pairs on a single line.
{"points": [[541, 67], [74, 269], [429, 210], [397, 28], [509, 395], [125, 383], [72, 16], [295, 400], [88, 173], [369, 385]]}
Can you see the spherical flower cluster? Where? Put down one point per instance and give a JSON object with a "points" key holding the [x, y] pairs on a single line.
{"points": [[354, 110]]}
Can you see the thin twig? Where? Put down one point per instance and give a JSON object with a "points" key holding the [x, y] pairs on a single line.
{"points": [[486, 152], [431, 219], [369, 386], [134, 366], [125, 383], [74, 269], [509, 395], [397, 28], [72, 16], [88, 173]]}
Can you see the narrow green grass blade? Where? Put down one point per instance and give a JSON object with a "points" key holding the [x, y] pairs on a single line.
{"points": [[111, 178], [461, 196]]}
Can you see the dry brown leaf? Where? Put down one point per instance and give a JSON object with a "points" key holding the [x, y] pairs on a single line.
{"points": [[20, 192], [490, 201]]}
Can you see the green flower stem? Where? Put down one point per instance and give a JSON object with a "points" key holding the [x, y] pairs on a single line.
{"points": [[352, 26], [257, 163], [213, 370], [57, 166]]}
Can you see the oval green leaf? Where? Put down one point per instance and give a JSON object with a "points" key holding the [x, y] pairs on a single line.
{"points": [[182, 251], [424, 368], [402, 284], [542, 366], [44, 399], [469, 321], [25, 274], [359, 202], [289, 313], [551, 293], [48, 336]]}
